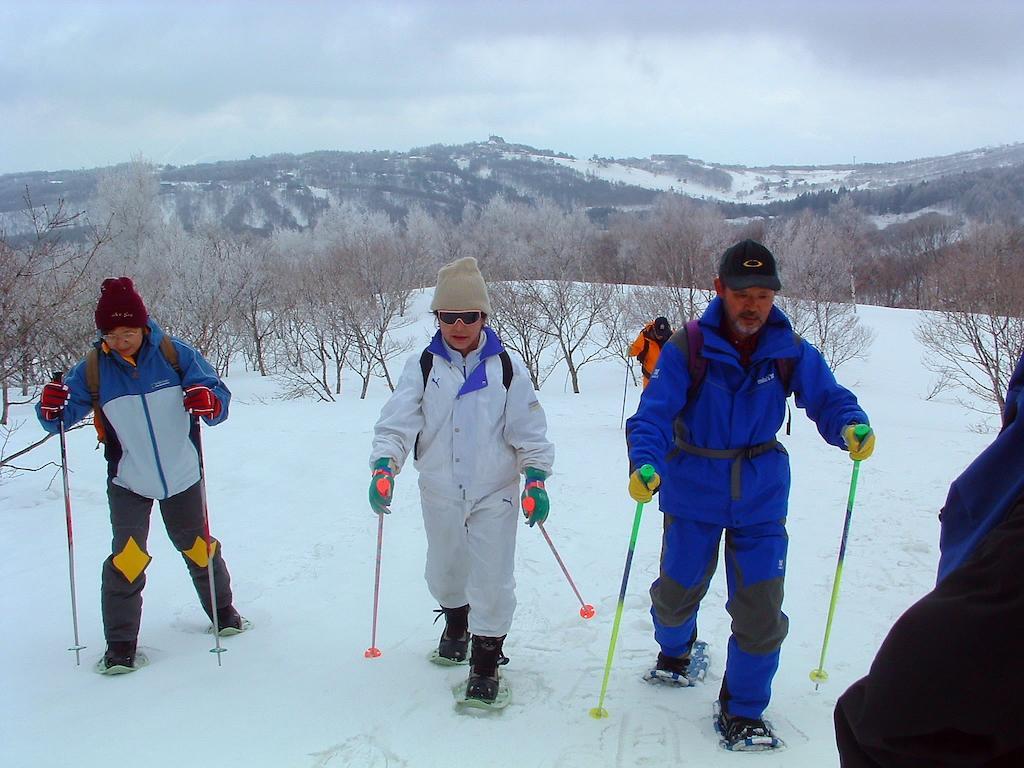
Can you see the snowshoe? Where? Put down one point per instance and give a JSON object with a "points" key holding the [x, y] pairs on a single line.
{"points": [[484, 689], [121, 658], [229, 623], [502, 697], [681, 672], [451, 652], [744, 734]]}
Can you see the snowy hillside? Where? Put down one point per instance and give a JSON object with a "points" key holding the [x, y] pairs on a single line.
{"points": [[287, 495], [284, 191], [746, 185]]}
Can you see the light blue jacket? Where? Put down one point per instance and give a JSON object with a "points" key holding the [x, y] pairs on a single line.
{"points": [[151, 441]]}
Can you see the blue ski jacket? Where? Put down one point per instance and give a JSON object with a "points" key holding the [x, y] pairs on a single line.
{"points": [[151, 441], [980, 498], [734, 407]]}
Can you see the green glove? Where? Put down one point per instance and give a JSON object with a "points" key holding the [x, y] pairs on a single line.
{"points": [[535, 498], [860, 441], [382, 486]]}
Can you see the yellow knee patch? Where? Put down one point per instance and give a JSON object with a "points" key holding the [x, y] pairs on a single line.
{"points": [[131, 560], [197, 552]]}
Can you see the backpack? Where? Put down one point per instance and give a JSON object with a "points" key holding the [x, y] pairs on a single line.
{"points": [[691, 340], [92, 379], [427, 364]]}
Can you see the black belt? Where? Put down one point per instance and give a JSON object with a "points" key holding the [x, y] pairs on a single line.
{"points": [[736, 455]]}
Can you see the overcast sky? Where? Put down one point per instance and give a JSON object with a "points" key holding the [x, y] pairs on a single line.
{"points": [[84, 84]]}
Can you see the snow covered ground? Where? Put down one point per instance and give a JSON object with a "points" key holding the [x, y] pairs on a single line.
{"points": [[287, 496]]}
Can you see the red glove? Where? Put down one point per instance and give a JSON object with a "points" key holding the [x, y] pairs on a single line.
{"points": [[200, 401], [55, 396]]}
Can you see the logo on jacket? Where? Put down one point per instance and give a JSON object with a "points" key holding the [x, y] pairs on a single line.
{"points": [[766, 378], [436, 381]]}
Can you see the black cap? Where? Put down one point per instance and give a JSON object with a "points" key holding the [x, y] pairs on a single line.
{"points": [[662, 329], [749, 265]]}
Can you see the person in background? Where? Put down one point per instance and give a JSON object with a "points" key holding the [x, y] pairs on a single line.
{"points": [[648, 344], [148, 391], [945, 686], [467, 412], [707, 425]]}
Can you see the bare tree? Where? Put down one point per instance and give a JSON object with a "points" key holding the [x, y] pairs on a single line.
{"points": [[127, 200], [257, 300], [677, 247], [43, 288], [44, 285], [310, 343], [975, 340], [570, 313], [815, 278], [515, 320], [196, 290]]}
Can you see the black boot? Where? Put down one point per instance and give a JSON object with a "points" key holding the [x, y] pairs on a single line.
{"points": [[483, 673], [119, 654], [230, 622], [454, 641]]}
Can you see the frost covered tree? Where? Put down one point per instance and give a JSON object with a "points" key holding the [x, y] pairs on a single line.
{"points": [[976, 337]]}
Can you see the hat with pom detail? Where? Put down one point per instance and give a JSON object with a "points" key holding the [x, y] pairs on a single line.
{"points": [[120, 305]]}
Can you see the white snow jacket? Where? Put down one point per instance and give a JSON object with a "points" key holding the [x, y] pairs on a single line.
{"points": [[470, 437]]}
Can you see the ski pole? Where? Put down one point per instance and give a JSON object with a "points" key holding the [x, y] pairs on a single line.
{"points": [[58, 376], [373, 651], [819, 675], [625, 386], [209, 543], [586, 609], [598, 712]]}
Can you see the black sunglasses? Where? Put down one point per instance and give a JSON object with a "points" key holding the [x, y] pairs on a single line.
{"points": [[450, 318]]}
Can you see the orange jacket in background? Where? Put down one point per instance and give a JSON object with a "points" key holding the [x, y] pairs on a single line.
{"points": [[646, 349]]}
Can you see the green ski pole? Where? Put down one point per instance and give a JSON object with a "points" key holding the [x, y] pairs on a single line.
{"points": [[598, 712], [819, 675]]}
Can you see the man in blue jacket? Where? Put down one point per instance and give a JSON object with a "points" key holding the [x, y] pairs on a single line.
{"points": [[148, 392], [707, 425], [945, 686]]}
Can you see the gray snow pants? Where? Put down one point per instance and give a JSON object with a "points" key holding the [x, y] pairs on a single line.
{"points": [[124, 574]]}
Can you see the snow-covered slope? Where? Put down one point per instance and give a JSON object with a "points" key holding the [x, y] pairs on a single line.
{"points": [[287, 493]]}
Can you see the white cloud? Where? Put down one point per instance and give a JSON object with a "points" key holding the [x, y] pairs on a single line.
{"points": [[743, 82]]}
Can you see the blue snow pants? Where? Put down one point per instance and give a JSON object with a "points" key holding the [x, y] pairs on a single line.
{"points": [[755, 561]]}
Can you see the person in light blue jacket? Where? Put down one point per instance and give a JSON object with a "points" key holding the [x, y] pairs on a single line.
{"points": [[148, 392], [707, 424]]}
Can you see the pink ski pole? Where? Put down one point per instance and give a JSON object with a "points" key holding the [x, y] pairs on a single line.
{"points": [[586, 609], [373, 651]]}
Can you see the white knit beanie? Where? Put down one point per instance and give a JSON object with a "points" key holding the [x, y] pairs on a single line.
{"points": [[461, 286]]}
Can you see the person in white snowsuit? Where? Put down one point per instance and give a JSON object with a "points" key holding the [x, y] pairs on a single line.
{"points": [[468, 413]]}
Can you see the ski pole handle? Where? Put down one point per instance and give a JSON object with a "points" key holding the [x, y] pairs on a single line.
{"points": [[57, 377], [646, 473]]}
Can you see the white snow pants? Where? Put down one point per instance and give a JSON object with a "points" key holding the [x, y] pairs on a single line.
{"points": [[471, 547]]}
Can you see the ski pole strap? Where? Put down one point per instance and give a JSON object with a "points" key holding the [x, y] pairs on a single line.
{"points": [[736, 455]]}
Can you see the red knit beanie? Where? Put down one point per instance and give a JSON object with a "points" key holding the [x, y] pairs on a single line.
{"points": [[120, 305]]}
